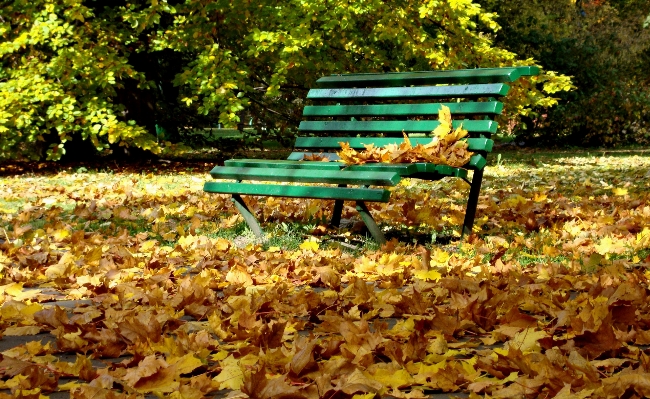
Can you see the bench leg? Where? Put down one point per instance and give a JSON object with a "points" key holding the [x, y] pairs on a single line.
{"points": [[338, 210], [249, 218], [472, 203], [370, 223], [336, 213]]}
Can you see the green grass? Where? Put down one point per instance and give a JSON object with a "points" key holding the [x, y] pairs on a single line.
{"points": [[13, 205]]}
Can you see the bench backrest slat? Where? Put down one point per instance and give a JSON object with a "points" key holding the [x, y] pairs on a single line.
{"points": [[406, 93], [392, 127], [462, 76], [383, 110], [358, 143]]}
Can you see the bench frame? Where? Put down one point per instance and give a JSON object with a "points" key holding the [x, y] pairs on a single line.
{"points": [[362, 102]]}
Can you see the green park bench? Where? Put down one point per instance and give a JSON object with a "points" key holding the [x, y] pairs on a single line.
{"points": [[375, 108]]}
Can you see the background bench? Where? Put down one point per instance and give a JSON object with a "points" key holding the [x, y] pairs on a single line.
{"points": [[375, 108]]}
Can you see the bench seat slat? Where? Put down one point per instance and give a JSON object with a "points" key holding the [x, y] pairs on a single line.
{"points": [[306, 176], [405, 93], [462, 76], [283, 164], [354, 127], [358, 143], [465, 108], [277, 190], [420, 168], [403, 169]]}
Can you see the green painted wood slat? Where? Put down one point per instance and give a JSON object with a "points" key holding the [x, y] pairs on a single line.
{"points": [[465, 108], [476, 162], [306, 176], [358, 143], [370, 127], [442, 170], [401, 169], [403, 93], [282, 164], [461, 76], [420, 168], [276, 190]]}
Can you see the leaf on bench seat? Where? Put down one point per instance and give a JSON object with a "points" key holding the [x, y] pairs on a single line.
{"points": [[316, 157], [445, 148]]}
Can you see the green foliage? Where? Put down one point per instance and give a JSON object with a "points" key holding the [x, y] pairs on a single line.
{"points": [[60, 68], [109, 72], [603, 46]]}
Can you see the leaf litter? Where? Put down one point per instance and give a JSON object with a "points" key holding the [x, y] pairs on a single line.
{"points": [[445, 148], [549, 297]]}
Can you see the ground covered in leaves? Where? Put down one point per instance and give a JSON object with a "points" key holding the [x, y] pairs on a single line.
{"points": [[129, 281]]}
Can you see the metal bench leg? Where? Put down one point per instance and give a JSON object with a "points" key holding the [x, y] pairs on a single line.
{"points": [[336, 213], [370, 223], [338, 210], [250, 219], [472, 203]]}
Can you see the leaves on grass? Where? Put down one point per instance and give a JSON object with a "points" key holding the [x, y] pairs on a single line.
{"points": [[549, 299]]}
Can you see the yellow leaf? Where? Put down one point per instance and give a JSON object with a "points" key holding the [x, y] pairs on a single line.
{"points": [[231, 376], [186, 364], [539, 197], [526, 340], [239, 275], [169, 236], [61, 234], [21, 331], [222, 244], [550, 250], [60, 269], [393, 379], [643, 238], [619, 191], [444, 116], [147, 246], [219, 355], [440, 257], [607, 245], [13, 289], [430, 275], [309, 246], [68, 386], [94, 280]]}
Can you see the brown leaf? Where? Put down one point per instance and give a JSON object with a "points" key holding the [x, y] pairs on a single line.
{"points": [[357, 382], [304, 357], [615, 387]]}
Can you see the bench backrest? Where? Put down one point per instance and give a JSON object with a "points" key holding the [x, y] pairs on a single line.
{"points": [[379, 107]]}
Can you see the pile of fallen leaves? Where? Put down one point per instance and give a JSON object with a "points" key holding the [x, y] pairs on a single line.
{"points": [[445, 148], [119, 285]]}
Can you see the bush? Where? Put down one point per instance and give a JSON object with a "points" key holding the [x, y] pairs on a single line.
{"points": [[604, 47]]}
